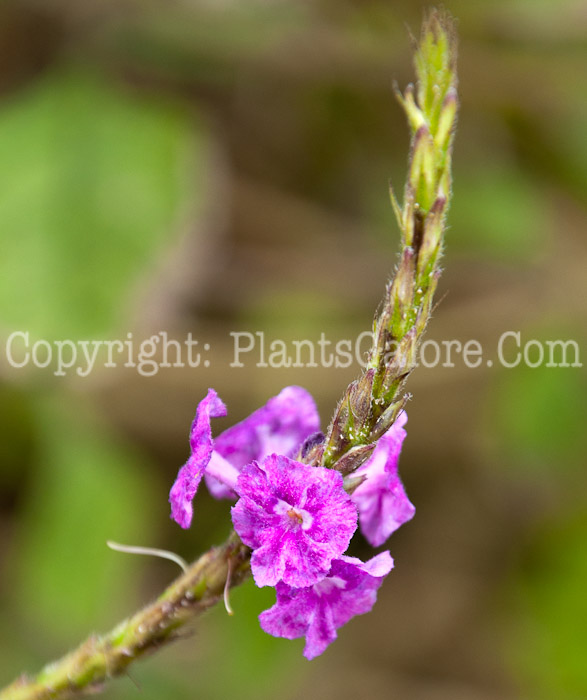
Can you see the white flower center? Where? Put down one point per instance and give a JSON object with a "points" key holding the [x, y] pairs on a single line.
{"points": [[293, 516]]}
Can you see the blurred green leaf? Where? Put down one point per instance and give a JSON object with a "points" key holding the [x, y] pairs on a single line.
{"points": [[89, 488], [539, 414], [547, 646], [92, 182], [499, 213]]}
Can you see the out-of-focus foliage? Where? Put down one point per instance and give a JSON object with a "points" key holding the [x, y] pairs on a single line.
{"points": [[210, 167], [91, 187], [88, 489], [539, 416], [508, 231], [548, 599]]}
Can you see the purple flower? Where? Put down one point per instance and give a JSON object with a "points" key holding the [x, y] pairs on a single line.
{"points": [[381, 500], [296, 518], [317, 611], [189, 477], [281, 426]]}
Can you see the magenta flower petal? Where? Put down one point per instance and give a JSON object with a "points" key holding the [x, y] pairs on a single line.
{"points": [[189, 476], [296, 518], [280, 426], [317, 611], [381, 499]]}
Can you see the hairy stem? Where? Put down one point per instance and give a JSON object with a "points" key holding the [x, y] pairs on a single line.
{"points": [[367, 409], [371, 404], [101, 658]]}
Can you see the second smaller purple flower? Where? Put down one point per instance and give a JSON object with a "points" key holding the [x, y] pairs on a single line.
{"points": [[317, 611]]}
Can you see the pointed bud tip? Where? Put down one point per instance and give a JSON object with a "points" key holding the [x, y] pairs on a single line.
{"points": [[352, 483], [450, 97], [421, 134], [409, 253], [440, 24], [438, 205]]}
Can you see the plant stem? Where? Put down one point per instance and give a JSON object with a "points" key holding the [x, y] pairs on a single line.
{"points": [[101, 658], [367, 409], [371, 404]]}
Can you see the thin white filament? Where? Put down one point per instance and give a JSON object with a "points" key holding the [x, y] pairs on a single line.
{"points": [[227, 605], [150, 551]]}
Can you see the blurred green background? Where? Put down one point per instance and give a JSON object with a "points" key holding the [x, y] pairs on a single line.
{"points": [[221, 166]]}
